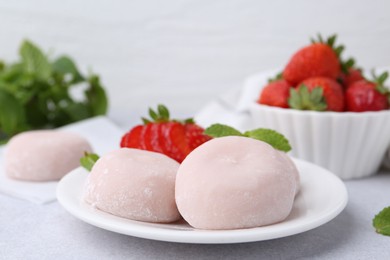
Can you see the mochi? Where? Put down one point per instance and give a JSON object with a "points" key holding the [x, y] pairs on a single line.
{"points": [[134, 184], [235, 182], [44, 155]]}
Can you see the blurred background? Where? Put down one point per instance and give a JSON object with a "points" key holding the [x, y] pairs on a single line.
{"points": [[184, 53]]}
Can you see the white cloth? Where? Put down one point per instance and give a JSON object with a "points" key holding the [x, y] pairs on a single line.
{"points": [[99, 131]]}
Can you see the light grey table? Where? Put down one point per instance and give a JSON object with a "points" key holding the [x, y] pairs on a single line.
{"points": [[30, 231]]}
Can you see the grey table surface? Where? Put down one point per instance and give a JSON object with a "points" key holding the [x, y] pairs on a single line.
{"points": [[30, 231]]}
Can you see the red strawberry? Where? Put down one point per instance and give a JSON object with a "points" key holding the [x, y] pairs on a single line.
{"points": [[364, 95], [133, 137], [321, 94], [276, 93], [352, 76], [195, 136], [317, 59], [173, 138]]}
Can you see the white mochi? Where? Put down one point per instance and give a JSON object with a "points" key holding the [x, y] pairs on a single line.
{"points": [[134, 184], [44, 155], [235, 182]]}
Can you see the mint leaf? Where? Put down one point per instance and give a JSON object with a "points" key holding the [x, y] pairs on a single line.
{"points": [[65, 65], [36, 93], [272, 137], [381, 222], [275, 139], [34, 61], [219, 130], [12, 117], [88, 160]]}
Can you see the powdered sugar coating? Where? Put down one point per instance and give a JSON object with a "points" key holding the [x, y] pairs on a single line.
{"points": [[44, 155], [235, 182], [134, 184]]}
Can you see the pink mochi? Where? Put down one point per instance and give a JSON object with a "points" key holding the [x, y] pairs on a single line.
{"points": [[45, 155], [235, 182], [134, 184]]}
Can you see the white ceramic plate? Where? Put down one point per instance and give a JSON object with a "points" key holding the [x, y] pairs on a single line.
{"points": [[322, 197]]}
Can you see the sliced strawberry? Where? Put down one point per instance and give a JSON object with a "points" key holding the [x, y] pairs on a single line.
{"points": [[174, 141], [132, 139], [154, 138], [195, 136], [173, 138], [146, 137]]}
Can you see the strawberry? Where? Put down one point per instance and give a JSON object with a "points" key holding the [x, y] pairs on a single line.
{"points": [[318, 59], [318, 93], [366, 95], [275, 93], [195, 136], [352, 76], [132, 138], [173, 138]]}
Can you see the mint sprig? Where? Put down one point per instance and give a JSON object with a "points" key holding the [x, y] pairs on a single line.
{"points": [[37, 92], [272, 137], [381, 222], [88, 160]]}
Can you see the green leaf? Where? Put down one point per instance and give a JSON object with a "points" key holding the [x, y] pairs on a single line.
{"points": [[383, 77], [153, 114], [96, 97], [145, 120], [189, 121], [65, 65], [303, 99], [34, 61], [2, 66], [381, 222], [277, 77], [163, 112], [88, 160], [219, 130], [77, 111], [272, 137], [12, 117]]}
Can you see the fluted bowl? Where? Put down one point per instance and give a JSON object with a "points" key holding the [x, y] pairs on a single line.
{"points": [[351, 145]]}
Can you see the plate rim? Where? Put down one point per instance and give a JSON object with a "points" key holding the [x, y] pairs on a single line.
{"points": [[144, 230]]}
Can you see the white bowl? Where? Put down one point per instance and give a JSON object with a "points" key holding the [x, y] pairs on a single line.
{"points": [[352, 145]]}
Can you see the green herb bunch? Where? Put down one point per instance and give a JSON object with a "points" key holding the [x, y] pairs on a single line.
{"points": [[35, 93]]}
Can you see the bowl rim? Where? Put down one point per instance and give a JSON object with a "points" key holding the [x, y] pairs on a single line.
{"points": [[281, 110]]}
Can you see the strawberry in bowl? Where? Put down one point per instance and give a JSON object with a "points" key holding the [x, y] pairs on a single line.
{"points": [[331, 113]]}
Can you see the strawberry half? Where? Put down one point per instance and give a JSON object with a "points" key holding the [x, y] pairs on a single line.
{"points": [[173, 138]]}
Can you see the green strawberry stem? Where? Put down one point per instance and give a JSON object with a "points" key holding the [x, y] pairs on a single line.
{"points": [[162, 115], [303, 99]]}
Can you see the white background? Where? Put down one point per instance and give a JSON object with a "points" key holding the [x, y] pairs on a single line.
{"points": [[185, 53]]}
